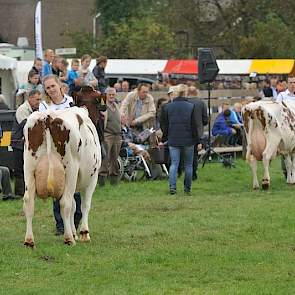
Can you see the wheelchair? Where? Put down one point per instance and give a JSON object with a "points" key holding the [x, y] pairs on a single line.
{"points": [[132, 167], [136, 167]]}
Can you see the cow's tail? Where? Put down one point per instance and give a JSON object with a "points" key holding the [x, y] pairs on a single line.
{"points": [[50, 177]]}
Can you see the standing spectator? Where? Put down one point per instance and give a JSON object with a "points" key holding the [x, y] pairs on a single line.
{"points": [[201, 114], [118, 86], [63, 75], [180, 129], [87, 78], [55, 99], [139, 108], [125, 86], [48, 58], [99, 72], [112, 139], [270, 90], [17, 138], [32, 84], [73, 76], [289, 94], [56, 65], [37, 67]]}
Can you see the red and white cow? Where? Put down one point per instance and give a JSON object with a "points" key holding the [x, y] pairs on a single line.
{"points": [[62, 155], [270, 129]]}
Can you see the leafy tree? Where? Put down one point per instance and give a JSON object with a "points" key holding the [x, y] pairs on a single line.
{"points": [[268, 40], [83, 41], [138, 38], [118, 11], [256, 28]]}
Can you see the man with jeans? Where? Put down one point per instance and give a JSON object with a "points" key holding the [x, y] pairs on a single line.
{"points": [[180, 130]]}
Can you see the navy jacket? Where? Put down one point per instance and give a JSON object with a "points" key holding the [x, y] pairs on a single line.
{"points": [[179, 124]]}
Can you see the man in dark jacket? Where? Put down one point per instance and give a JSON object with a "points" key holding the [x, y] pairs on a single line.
{"points": [[201, 116], [17, 138], [180, 130], [99, 74]]}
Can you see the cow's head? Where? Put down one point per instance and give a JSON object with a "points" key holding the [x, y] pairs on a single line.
{"points": [[93, 100]]}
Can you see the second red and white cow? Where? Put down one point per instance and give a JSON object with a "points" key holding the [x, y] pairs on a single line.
{"points": [[270, 129], [62, 155]]}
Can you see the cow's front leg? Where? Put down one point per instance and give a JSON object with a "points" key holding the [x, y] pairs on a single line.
{"points": [[65, 210], [28, 207]]}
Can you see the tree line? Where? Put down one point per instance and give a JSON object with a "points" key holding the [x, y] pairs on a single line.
{"points": [[175, 29]]}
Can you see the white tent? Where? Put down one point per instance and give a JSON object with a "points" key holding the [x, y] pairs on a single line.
{"points": [[8, 83], [234, 66]]}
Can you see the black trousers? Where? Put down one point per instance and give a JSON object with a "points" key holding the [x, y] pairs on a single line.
{"points": [[18, 156]]}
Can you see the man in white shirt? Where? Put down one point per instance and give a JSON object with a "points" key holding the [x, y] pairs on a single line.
{"points": [[289, 94]]}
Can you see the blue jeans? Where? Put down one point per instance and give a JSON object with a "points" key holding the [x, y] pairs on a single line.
{"points": [[57, 216], [188, 154]]}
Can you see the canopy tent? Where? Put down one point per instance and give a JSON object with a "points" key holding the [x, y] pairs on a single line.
{"points": [[234, 66], [185, 67], [7, 63], [8, 82], [135, 66], [272, 66]]}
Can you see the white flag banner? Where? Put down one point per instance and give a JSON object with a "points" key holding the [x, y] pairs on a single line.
{"points": [[38, 31]]}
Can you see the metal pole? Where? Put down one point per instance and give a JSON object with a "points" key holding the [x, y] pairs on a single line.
{"points": [[94, 31]]}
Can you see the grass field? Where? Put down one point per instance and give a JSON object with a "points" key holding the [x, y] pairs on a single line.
{"points": [[224, 239]]}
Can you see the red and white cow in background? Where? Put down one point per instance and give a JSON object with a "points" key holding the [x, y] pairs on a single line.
{"points": [[270, 129], [62, 155]]}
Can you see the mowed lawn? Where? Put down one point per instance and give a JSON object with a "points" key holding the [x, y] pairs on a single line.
{"points": [[224, 239]]}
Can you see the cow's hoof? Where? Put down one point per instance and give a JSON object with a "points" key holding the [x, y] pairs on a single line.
{"points": [[69, 242], [265, 184], [76, 238], [29, 243], [84, 236], [256, 187]]}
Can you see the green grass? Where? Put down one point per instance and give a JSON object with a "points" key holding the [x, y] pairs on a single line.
{"points": [[224, 239]]}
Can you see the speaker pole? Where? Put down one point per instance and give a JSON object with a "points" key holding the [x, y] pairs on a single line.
{"points": [[209, 150], [209, 122]]}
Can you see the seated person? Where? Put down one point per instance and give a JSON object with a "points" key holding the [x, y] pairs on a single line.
{"points": [[130, 140], [235, 119], [236, 114], [224, 130]]}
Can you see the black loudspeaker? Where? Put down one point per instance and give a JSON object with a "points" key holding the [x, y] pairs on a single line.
{"points": [[207, 65]]}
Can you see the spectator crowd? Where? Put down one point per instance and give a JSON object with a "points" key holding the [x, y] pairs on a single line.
{"points": [[177, 119]]}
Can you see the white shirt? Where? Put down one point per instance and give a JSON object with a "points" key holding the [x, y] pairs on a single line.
{"points": [[286, 95], [274, 92], [66, 103]]}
